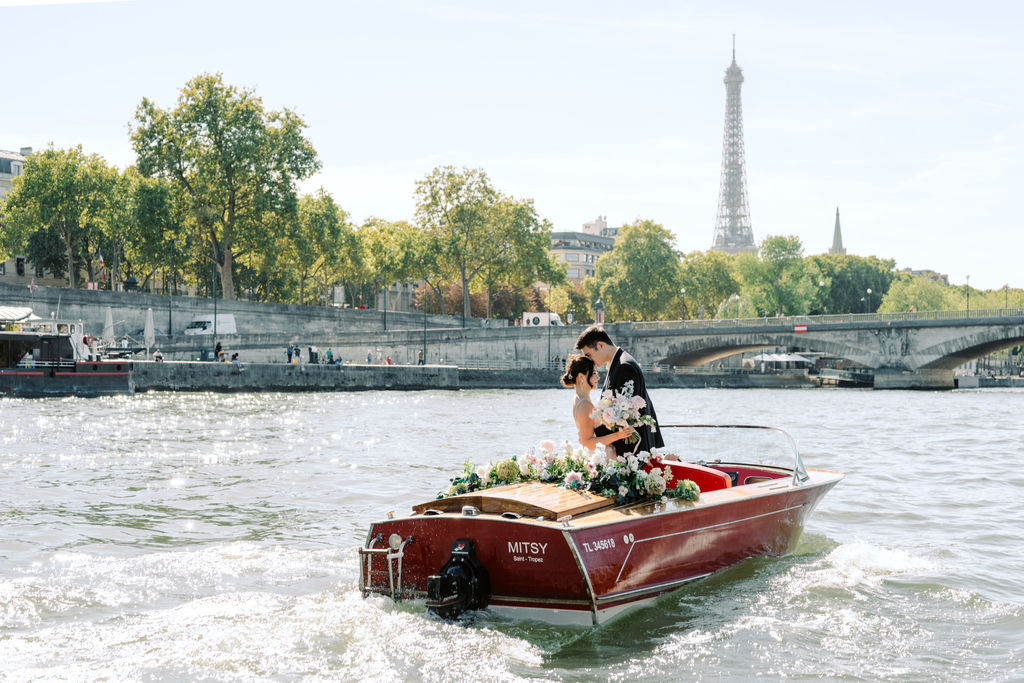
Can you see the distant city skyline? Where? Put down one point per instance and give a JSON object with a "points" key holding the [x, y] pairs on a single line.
{"points": [[908, 119]]}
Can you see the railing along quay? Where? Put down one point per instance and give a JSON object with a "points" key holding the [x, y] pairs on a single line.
{"points": [[831, 318]]}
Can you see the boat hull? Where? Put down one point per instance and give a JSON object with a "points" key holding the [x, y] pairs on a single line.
{"points": [[590, 568], [81, 378]]}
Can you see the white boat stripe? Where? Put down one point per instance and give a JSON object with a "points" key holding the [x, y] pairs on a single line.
{"points": [[703, 528]]}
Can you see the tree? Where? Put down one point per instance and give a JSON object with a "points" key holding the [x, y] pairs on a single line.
{"points": [[317, 240], [521, 244], [149, 226], [915, 293], [709, 279], [389, 253], [778, 280], [69, 194], [640, 278], [847, 278], [454, 206], [232, 160]]}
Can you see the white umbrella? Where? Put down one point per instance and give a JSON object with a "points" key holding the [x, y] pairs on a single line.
{"points": [[108, 329], [148, 335]]}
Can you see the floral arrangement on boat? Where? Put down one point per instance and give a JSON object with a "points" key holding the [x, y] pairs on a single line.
{"points": [[627, 477], [616, 410]]}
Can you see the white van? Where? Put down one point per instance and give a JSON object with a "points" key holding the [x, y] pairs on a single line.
{"points": [[203, 324], [541, 319]]}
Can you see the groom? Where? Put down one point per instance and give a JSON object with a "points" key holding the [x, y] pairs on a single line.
{"points": [[596, 345]]}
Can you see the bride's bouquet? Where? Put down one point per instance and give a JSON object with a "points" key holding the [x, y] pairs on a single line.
{"points": [[617, 410]]}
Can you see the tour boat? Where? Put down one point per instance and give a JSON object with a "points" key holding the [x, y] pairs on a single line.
{"points": [[541, 551], [41, 357]]}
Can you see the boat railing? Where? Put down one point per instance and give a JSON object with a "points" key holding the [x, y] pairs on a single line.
{"points": [[799, 471], [61, 363]]}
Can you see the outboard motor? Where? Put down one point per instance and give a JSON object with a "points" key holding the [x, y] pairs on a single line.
{"points": [[462, 584]]}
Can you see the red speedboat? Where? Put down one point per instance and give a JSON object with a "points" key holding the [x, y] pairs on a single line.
{"points": [[540, 551]]}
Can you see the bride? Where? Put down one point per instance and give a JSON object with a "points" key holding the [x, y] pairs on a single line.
{"points": [[581, 374]]}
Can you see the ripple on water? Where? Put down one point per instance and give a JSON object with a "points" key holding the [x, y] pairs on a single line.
{"points": [[212, 536]]}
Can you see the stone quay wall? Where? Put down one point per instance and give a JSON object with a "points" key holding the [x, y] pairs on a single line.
{"points": [[253, 377], [128, 310]]}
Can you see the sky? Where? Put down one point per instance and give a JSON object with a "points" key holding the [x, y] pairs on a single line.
{"points": [[906, 116]]}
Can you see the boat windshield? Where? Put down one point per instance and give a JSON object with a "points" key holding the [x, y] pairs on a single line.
{"points": [[751, 444]]}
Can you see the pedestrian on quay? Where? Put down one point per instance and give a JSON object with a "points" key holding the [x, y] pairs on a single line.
{"points": [[380, 357], [330, 356], [289, 351], [369, 356]]}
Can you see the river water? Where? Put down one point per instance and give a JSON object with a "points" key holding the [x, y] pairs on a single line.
{"points": [[213, 537]]}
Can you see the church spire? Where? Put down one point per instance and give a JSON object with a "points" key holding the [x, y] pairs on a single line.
{"points": [[837, 238]]}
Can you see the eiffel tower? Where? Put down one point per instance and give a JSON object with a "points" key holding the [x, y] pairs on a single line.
{"points": [[732, 229]]}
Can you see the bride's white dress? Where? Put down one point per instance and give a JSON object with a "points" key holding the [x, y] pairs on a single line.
{"points": [[585, 406]]}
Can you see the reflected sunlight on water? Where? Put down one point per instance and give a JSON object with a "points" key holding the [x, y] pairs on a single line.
{"points": [[208, 536]]}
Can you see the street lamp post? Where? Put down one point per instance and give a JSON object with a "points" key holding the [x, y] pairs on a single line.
{"points": [[821, 290], [215, 303], [548, 364], [867, 309], [968, 296], [170, 288], [1006, 296], [682, 292], [424, 332]]}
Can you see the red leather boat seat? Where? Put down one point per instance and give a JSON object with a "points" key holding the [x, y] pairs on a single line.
{"points": [[707, 478]]}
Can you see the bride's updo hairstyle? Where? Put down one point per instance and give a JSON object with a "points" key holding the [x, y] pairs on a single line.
{"points": [[575, 365]]}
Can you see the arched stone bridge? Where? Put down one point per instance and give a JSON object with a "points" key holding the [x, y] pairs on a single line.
{"points": [[904, 350]]}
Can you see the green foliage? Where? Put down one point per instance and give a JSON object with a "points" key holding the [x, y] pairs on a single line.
{"points": [[778, 280], [640, 278], [68, 193], [316, 242], [45, 248], [910, 293], [479, 236], [231, 161], [710, 279], [846, 279]]}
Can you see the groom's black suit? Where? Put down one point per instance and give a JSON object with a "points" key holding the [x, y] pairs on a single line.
{"points": [[622, 369]]}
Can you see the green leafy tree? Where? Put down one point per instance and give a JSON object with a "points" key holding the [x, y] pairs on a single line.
{"points": [[778, 280], [915, 293], [389, 253], [709, 278], [68, 193], [558, 300], [641, 277], [232, 160], [845, 279], [46, 248], [317, 240], [436, 272], [145, 227], [455, 207], [520, 242]]}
